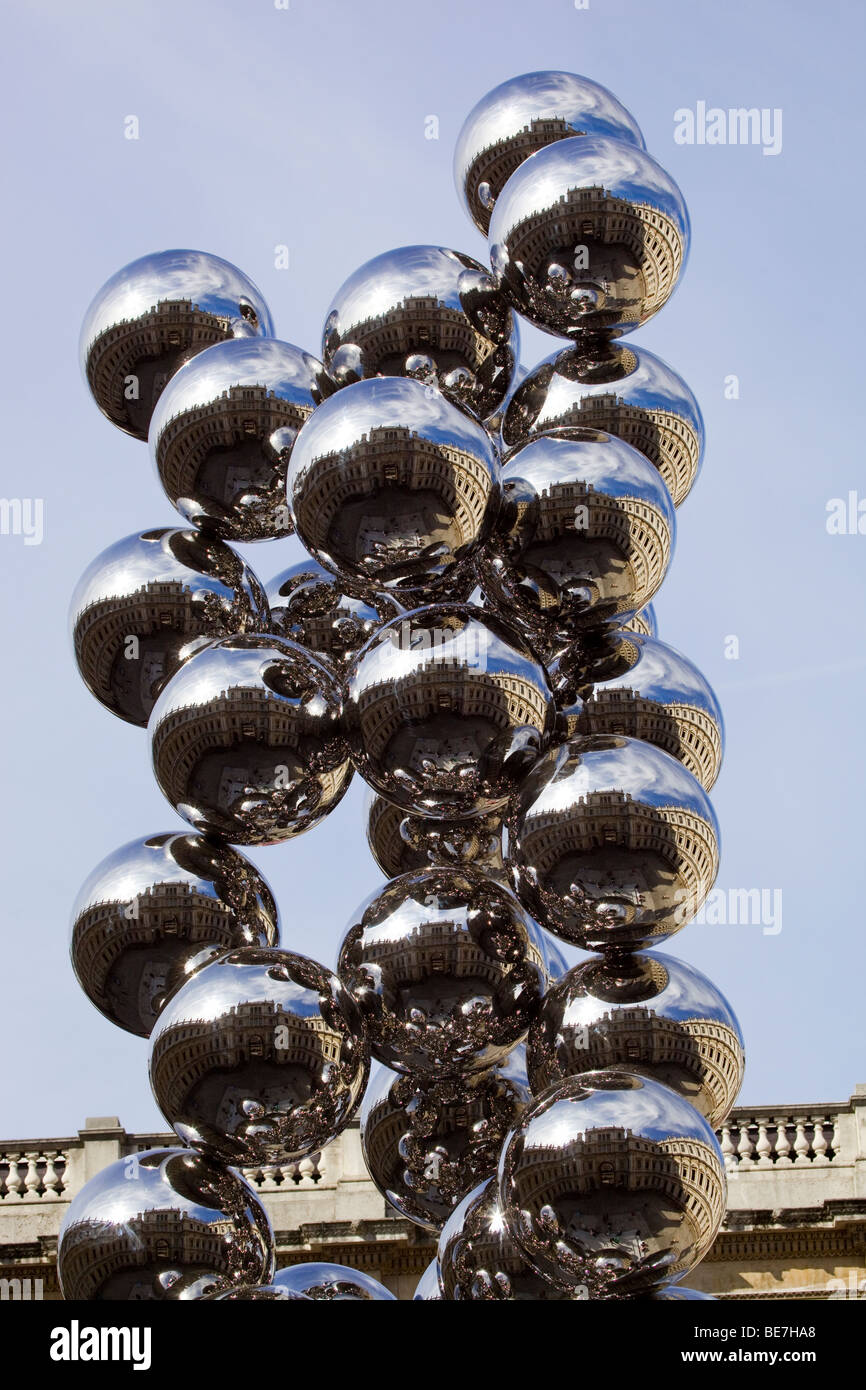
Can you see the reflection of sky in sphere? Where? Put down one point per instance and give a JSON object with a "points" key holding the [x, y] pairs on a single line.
{"points": [[147, 558], [131, 870], [540, 96], [610, 465], [663, 673], [137, 1184], [400, 648], [686, 994], [281, 368], [215, 286], [218, 988], [646, 1108], [638, 769], [622, 170], [225, 665], [387, 281]]}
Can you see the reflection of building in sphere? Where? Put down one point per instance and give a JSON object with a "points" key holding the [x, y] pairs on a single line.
{"points": [[157, 614], [421, 323], [438, 954], [665, 438], [150, 347], [218, 1051], [103, 1256], [495, 164], [612, 1162], [634, 250], [448, 711], [685, 731], [392, 494], [222, 450]]}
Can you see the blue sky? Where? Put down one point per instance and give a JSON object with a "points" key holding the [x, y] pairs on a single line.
{"points": [[305, 127]]}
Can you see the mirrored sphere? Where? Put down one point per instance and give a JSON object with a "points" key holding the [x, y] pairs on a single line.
{"points": [[308, 607], [428, 1289], [154, 315], [446, 710], [521, 116], [391, 486], [256, 1293], [654, 1015], [426, 1143], [400, 843], [428, 313], [446, 970], [222, 435], [247, 741], [613, 844], [330, 1283], [645, 622], [676, 1293], [260, 1058], [612, 1182], [626, 683], [584, 537], [478, 1260], [620, 388], [166, 1223], [589, 236], [150, 601], [157, 910]]}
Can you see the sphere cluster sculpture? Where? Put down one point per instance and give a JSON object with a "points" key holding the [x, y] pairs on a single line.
{"points": [[472, 634]]}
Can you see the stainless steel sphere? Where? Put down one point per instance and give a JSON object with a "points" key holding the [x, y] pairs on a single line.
{"points": [[589, 236], [613, 844], [332, 1283], [478, 1261], [428, 1289], [612, 1182], [625, 683], [401, 843], [307, 606], [445, 968], [154, 315], [644, 622], [147, 603], [392, 487], [620, 388], [426, 1143], [428, 313], [257, 1293], [247, 741], [584, 537], [260, 1058], [446, 710], [157, 910], [163, 1224], [651, 1014], [521, 116], [223, 432]]}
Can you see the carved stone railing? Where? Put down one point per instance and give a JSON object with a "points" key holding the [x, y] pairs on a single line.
{"points": [[800, 1136]]}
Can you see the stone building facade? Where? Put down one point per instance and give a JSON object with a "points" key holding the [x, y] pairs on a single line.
{"points": [[795, 1226]]}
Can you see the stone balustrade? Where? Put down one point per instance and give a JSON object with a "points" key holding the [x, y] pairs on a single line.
{"points": [[795, 1225]]}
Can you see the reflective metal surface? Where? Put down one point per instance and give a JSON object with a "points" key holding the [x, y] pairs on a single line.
{"points": [[165, 1223], [521, 116], [391, 486], [676, 1293], [154, 315], [260, 1058], [428, 1289], [401, 843], [247, 741], [446, 711], [157, 910], [150, 601], [478, 1260], [589, 236], [618, 387], [614, 845], [332, 1283], [624, 683], [256, 1293], [428, 313], [307, 606], [445, 968], [654, 1015], [645, 622], [584, 537], [426, 1144], [222, 435], [612, 1182]]}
